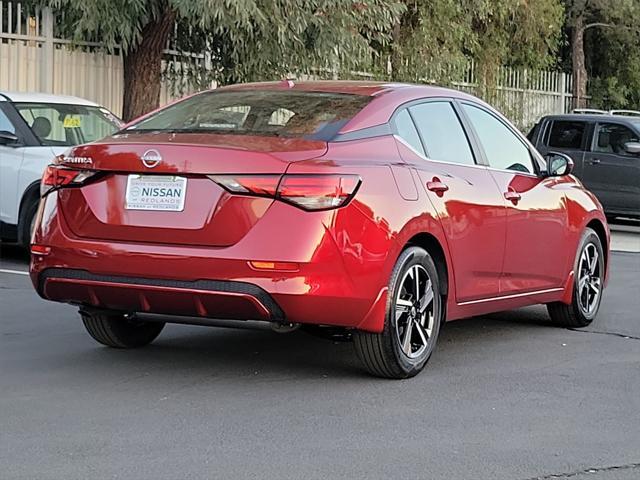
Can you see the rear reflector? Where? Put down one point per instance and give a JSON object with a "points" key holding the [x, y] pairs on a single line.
{"points": [[57, 177], [40, 250], [281, 266], [309, 192]]}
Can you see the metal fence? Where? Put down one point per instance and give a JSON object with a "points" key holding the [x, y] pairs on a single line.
{"points": [[522, 95], [32, 58]]}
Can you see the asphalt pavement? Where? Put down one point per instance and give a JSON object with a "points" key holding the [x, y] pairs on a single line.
{"points": [[506, 396]]}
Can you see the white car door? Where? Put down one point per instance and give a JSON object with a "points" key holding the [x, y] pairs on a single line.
{"points": [[11, 158]]}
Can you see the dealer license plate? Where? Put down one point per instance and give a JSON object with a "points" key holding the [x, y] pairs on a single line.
{"points": [[155, 192]]}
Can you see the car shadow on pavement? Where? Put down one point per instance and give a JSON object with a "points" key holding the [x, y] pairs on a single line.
{"points": [[221, 352]]}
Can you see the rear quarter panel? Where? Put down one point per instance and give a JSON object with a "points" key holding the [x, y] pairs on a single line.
{"points": [[371, 232]]}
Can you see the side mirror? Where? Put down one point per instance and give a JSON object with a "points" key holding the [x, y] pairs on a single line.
{"points": [[632, 147], [558, 164], [8, 138]]}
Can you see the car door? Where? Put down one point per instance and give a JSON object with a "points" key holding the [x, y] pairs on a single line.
{"points": [[612, 173], [535, 256], [11, 157], [468, 203]]}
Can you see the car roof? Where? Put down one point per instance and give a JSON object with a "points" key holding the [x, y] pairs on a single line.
{"points": [[37, 97], [593, 117], [354, 87]]}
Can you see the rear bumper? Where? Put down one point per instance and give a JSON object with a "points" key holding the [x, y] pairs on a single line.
{"points": [[215, 283], [202, 298]]}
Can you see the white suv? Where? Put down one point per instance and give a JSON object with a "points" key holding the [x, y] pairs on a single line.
{"points": [[35, 127]]}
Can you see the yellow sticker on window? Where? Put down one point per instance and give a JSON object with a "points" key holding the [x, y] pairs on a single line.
{"points": [[71, 122]]}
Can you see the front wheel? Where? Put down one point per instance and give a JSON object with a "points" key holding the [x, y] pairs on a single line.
{"points": [[589, 269], [412, 322], [119, 330]]}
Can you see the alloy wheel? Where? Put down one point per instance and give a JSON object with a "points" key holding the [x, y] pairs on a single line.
{"points": [[414, 313], [589, 279]]}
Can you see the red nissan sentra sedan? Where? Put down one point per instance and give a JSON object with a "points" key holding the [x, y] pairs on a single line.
{"points": [[381, 209]]}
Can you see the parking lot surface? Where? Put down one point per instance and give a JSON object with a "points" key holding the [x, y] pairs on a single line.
{"points": [[506, 396]]}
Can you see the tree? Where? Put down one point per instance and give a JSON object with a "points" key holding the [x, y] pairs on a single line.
{"points": [[614, 59], [583, 16], [435, 38], [243, 39]]}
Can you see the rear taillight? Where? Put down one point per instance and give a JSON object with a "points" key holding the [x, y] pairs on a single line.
{"points": [[261, 185], [40, 250], [55, 177], [318, 192], [309, 192]]}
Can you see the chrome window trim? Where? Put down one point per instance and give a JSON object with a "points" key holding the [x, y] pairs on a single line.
{"points": [[404, 142], [475, 165]]}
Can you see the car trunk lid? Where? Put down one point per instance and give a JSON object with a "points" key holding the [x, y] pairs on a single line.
{"points": [[209, 215]]}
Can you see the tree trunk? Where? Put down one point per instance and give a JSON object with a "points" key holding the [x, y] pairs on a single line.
{"points": [[578, 61], [143, 67], [395, 59]]}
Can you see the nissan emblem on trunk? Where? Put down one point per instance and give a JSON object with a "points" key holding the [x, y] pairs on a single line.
{"points": [[151, 158]]}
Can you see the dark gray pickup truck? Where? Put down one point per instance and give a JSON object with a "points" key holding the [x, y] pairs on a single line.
{"points": [[606, 153]]}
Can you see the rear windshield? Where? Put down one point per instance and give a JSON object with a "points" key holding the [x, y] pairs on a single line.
{"points": [[310, 115]]}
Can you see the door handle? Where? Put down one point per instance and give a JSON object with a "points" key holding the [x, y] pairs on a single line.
{"points": [[437, 186], [594, 161], [512, 195]]}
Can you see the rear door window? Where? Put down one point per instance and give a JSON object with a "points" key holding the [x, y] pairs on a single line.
{"points": [[567, 134], [442, 133]]}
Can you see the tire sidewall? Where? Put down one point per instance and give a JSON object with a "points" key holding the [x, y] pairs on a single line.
{"points": [[410, 257], [26, 222]]}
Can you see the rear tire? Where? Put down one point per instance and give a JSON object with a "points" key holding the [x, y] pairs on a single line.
{"points": [[412, 321], [117, 330], [589, 268], [27, 223]]}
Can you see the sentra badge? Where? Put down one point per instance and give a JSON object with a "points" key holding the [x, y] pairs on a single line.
{"points": [[78, 160]]}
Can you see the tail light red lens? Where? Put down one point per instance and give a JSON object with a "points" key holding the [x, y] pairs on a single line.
{"points": [[41, 250], [309, 192], [318, 192], [262, 185], [56, 177]]}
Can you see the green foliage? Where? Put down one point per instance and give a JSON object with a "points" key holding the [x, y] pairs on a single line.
{"points": [[613, 12], [615, 69], [245, 39], [437, 37], [249, 40], [257, 39], [612, 50]]}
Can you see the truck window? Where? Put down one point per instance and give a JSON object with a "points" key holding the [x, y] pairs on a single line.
{"points": [[611, 138], [567, 134]]}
